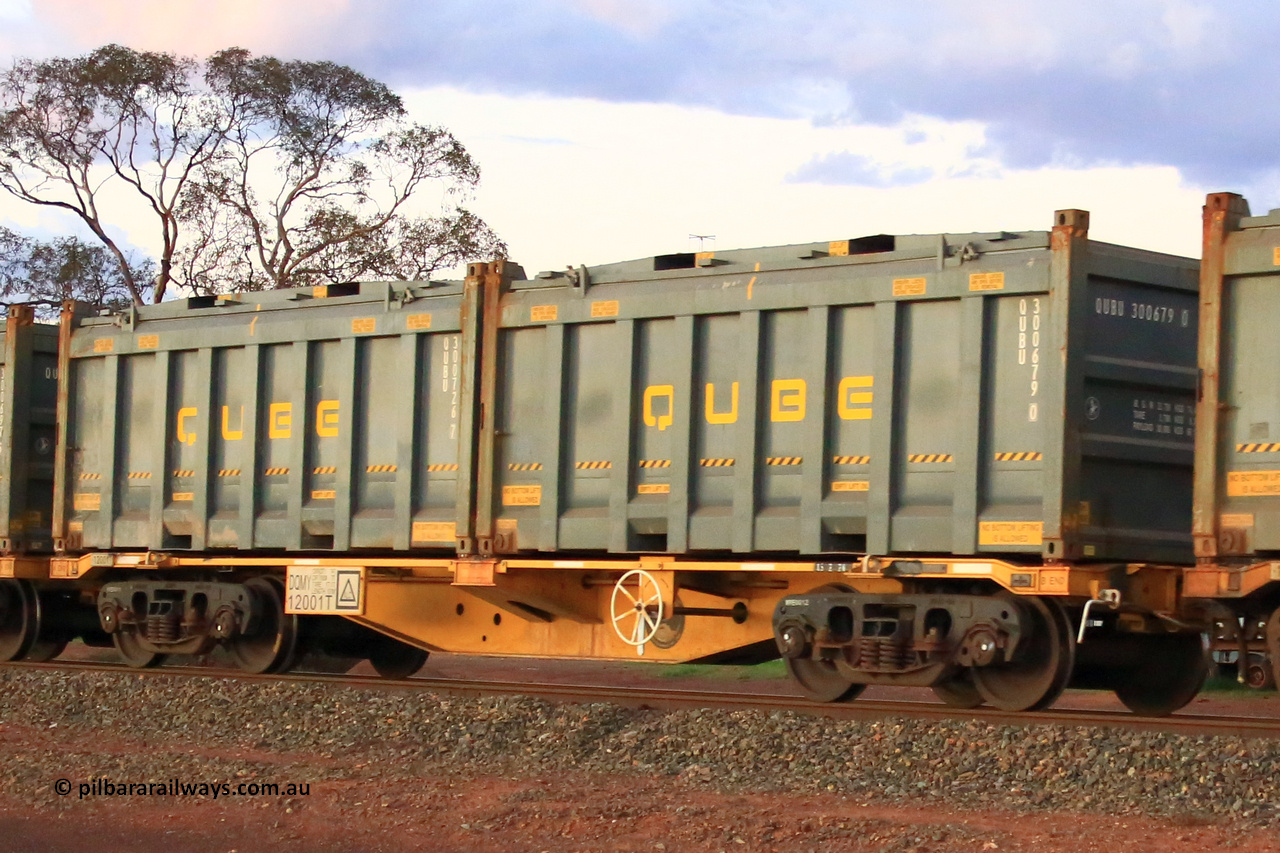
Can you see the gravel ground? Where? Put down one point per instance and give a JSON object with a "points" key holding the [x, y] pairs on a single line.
{"points": [[1029, 769]]}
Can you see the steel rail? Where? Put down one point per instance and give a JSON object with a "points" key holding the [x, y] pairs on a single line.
{"points": [[680, 699]]}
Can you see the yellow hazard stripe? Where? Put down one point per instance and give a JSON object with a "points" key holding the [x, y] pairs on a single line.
{"points": [[443, 466], [716, 463], [784, 460], [850, 460], [276, 472], [594, 465], [655, 463], [229, 472], [380, 469], [1023, 456], [184, 473], [139, 475], [930, 457], [90, 476], [525, 466], [325, 469], [1258, 448]]}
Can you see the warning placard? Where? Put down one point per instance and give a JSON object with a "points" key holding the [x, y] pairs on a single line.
{"points": [[1252, 484], [521, 495], [325, 590], [1010, 533]]}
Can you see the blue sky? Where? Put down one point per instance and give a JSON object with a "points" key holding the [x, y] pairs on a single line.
{"points": [[609, 129]]}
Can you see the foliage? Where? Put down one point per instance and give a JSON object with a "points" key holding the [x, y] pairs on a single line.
{"points": [[47, 273], [258, 172], [73, 129]]}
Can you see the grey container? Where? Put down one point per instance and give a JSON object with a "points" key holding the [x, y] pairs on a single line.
{"points": [[28, 408], [1237, 497], [321, 419], [1002, 393]]}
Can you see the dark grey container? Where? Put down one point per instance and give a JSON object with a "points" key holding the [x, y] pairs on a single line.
{"points": [[28, 407]]}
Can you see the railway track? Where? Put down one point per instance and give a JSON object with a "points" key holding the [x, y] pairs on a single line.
{"points": [[683, 699]]}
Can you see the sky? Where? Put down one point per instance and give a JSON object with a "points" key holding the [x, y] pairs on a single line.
{"points": [[614, 129]]}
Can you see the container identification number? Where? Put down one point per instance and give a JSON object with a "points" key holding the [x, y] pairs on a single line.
{"points": [[1108, 307], [1029, 331], [450, 368]]}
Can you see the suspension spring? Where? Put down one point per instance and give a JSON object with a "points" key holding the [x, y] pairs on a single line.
{"points": [[162, 628], [883, 654]]}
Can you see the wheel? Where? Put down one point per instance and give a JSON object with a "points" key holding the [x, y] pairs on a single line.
{"points": [[326, 664], [45, 650], [1175, 668], [959, 691], [822, 681], [1042, 665], [1259, 676], [19, 618], [1272, 635], [394, 659], [273, 646], [132, 652]]}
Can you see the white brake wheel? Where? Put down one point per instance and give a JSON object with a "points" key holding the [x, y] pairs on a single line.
{"points": [[636, 616]]}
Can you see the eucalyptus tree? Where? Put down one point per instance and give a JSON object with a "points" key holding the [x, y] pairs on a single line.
{"points": [[255, 172], [75, 131], [46, 272]]}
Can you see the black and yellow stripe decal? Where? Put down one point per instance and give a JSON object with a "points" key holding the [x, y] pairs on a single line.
{"points": [[930, 457], [655, 463], [850, 460], [783, 460], [1026, 456], [525, 466], [443, 466], [276, 472], [716, 463], [325, 469], [229, 472], [90, 476], [139, 475], [183, 472], [380, 469], [593, 465], [1258, 448]]}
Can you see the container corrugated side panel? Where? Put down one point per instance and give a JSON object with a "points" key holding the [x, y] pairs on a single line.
{"points": [[790, 402], [291, 423], [28, 408], [781, 407], [1244, 508]]}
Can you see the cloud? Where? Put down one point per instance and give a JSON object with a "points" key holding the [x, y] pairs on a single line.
{"points": [[295, 28], [637, 17], [1094, 83], [537, 140], [638, 179], [15, 10], [1164, 82], [857, 170]]}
